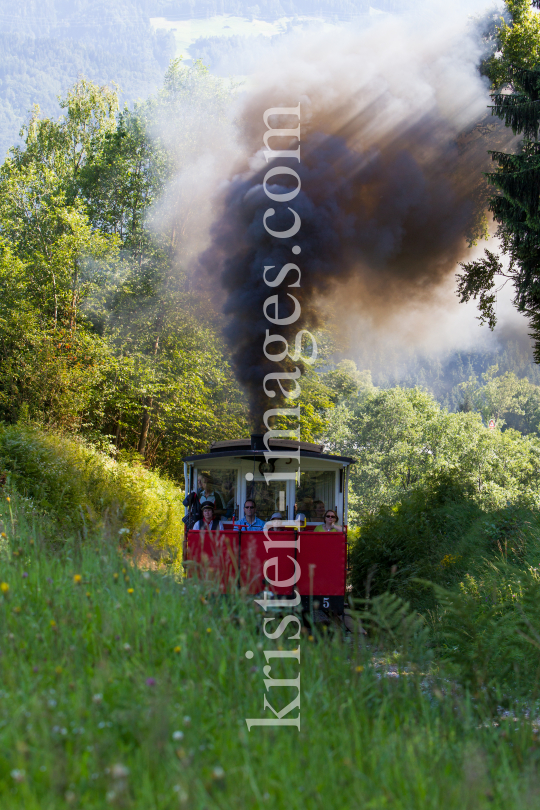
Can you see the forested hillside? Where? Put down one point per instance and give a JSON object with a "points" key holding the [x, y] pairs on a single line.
{"points": [[45, 47]]}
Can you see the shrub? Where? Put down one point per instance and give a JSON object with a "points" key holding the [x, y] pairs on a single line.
{"points": [[438, 534], [76, 484]]}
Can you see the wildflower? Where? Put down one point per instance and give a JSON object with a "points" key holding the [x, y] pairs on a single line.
{"points": [[187, 720], [157, 590], [119, 771], [52, 623], [359, 669], [123, 531], [218, 773], [77, 579], [88, 594], [177, 649], [115, 576], [150, 682], [58, 670], [3, 535], [127, 647], [17, 775], [126, 578], [310, 638], [4, 587], [8, 499], [97, 698], [130, 590], [124, 570], [16, 610], [178, 735], [208, 629], [25, 574]]}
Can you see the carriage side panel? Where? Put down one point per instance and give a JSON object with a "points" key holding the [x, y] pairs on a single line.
{"points": [[322, 558], [253, 556], [214, 556]]}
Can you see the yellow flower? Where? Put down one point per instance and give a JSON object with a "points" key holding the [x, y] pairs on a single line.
{"points": [[115, 576], [8, 499], [157, 590], [58, 670], [177, 649], [310, 638], [53, 623], [88, 594], [3, 535], [77, 579], [208, 629], [359, 669], [4, 587], [130, 590]]}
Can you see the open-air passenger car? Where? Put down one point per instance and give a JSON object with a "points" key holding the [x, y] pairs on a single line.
{"points": [[314, 563]]}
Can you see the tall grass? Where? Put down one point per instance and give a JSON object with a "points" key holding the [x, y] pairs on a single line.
{"points": [[128, 688], [75, 485]]}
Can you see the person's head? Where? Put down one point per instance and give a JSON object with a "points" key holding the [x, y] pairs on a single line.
{"points": [[302, 519], [207, 482], [250, 507], [330, 517], [207, 510], [318, 506]]}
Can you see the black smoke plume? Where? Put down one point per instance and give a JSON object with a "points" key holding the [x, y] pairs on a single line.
{"points": [[391, 188]]}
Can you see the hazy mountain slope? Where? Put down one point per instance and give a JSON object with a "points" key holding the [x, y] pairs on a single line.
{"points": [[45, 46]]}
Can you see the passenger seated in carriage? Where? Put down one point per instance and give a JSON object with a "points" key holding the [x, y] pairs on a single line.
{"points": [[208, 521], [250, 519], [318, 511], [330, 523]]}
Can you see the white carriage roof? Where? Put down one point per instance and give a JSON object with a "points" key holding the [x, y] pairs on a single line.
{"points": [[254, 448]]}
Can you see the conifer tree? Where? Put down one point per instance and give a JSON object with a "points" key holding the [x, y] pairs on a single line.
{"points": [[515, 206]]}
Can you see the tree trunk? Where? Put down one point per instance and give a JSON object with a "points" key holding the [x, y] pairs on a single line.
{"points": [[145, 426]]}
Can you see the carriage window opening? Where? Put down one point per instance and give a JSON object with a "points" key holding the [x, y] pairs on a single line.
{"points": [[316, 494], [270, 497], [218, 486]]}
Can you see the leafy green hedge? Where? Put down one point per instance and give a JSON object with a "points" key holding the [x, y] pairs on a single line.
{"points": [[76, 485], [438, 534]]}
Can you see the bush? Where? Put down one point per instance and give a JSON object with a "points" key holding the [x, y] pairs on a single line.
{"points": [[76, 485], [438, 534]]}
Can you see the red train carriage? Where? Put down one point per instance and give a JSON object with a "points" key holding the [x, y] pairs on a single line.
{"points": [[314, 563]]}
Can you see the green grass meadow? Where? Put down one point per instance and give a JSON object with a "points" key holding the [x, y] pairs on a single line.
{"points": [[129, 688]]}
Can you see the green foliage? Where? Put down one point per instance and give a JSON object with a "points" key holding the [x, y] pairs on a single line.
{"points": [[74, 484], [98, 332], [135, 692], [515, 74], [429, 536]]}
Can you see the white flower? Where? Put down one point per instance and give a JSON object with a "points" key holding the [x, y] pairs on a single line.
{"points": [[123, 531], [119, 771], [97, 698], [178, 735], [218, 772], [17, 775], [187, 720]]}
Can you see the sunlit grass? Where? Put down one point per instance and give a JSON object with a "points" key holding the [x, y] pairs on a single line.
{"points": [[125, 687]]}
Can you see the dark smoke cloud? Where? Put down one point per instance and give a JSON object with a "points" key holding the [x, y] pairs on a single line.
{"points": [[391, 171]]}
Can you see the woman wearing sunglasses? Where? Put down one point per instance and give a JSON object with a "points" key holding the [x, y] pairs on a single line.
{"points": [[330, 522]]}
